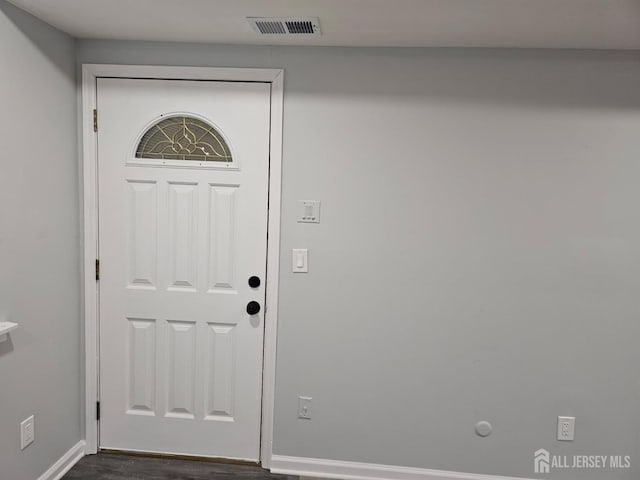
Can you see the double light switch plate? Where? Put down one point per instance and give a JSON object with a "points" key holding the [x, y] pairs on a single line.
{"points": [[308, 211]]}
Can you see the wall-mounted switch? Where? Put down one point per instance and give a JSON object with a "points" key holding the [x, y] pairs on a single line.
{"points": [[27, 432], [566, 428], [299, 260], [308, 211], [304, 408]]}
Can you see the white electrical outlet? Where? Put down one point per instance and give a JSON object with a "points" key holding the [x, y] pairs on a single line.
{"points": [[27, 432], [566, 428], [304, 408]]}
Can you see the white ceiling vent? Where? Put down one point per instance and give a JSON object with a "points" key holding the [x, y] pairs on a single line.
{"points": [[285, 26]]}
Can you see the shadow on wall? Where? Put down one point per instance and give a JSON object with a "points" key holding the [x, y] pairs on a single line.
{"points": [[42, 39], [544, 78], [6, 347], [500, 78]]}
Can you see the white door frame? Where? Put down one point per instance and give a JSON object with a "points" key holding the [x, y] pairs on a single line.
{"points": [[88, 174]]}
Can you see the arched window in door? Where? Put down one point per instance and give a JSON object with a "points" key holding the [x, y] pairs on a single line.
{"points": [[183, 138]]}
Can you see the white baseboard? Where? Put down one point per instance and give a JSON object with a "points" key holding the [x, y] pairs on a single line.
{"points": [[314, 467], [64, 463]]}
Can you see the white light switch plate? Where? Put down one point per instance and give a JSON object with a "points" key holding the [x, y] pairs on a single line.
{"points": [[300, 260], [27, 432], [304, 408], [308, 211]]}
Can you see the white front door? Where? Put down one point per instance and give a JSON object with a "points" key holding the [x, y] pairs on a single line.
{"points": [[183, 182]]}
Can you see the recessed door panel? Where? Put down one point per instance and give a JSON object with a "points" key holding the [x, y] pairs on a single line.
{"points": [[183, 231], [222, 237], [142, 231], [181, 369], [222, 372], [142, 363]]}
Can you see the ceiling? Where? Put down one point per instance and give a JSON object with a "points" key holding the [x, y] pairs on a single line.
{"points": [[600, 24]]}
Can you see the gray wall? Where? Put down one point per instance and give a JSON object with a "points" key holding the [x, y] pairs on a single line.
{"points": [[39, 245], [478, 254]]}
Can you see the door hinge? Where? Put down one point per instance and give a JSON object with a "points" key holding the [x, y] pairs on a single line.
{"points": [[97, 269], [98, 411], [95, 120]]}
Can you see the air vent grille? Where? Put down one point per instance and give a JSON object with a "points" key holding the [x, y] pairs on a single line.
{"points": [[300, 27], [270, 27], [285, 26]]}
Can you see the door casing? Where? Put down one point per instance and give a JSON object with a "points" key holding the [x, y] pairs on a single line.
{"points": [[88, 175]]}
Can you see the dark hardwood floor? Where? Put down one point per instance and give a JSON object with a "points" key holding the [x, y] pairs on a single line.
{"points": [[108, 466]]}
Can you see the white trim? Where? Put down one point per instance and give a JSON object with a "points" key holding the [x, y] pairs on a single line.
{"points": [[273, 271], [64, 463], [90, 242], [90, 73], [315, 467], [266, 75]]}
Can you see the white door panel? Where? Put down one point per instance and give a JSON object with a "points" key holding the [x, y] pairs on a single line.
{"points": [[180, 358]]}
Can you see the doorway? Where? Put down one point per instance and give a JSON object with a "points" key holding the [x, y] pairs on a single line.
{"points": [[184, 178]]}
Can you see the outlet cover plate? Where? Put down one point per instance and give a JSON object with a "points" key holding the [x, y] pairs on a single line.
{"points": [[566, 428]]}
